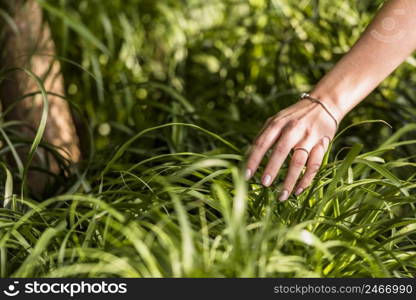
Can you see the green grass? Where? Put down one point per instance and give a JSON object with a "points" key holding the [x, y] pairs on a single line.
{"points": [[192, 214], [161, 192]]}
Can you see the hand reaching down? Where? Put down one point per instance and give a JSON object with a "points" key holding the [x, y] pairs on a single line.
{"points": [[304, 128], [307, 126]]}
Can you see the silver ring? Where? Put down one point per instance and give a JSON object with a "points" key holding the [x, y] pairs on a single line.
{"points": [[301, 148]]}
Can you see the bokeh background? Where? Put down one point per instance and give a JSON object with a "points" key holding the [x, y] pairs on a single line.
{"points": [[224, 65]]}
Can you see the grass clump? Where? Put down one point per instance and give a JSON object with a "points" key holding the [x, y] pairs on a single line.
{"points": [[192, 214]]}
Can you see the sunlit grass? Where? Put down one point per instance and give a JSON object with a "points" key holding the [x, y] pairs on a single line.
{"points": [[192, 214]]}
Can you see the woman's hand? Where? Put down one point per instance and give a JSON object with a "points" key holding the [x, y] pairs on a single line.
{"points": [[304, 125], [386, 43]]}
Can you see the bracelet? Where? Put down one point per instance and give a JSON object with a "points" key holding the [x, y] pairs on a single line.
{"points": [[307, 96]]}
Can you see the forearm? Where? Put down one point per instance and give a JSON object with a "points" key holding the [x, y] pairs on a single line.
{"points": [[386, 43]]}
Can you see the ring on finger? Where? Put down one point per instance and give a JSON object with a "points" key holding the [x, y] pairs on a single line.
{"points": [[301, 148]]}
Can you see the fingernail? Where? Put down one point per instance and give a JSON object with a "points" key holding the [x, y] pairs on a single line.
{"points": [[248, 174], [266, 180], [298, 191], [284, 195]]}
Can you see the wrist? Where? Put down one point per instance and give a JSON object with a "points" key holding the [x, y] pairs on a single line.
{"points": [[334, 116], [333, 102]]}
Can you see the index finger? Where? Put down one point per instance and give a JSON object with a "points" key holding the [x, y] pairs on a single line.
{"points": [[260, 146]]}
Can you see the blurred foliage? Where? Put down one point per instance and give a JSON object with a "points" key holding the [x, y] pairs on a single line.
{"points": [[222, 64]]}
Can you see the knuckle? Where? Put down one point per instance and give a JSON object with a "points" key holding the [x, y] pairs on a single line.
{"points": [[280, 148], [308, 131], [259, 143], [325, 142], [293, 123], [305, 186], [314, 168], [319, 147], [298, 162], [275, 122]]}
